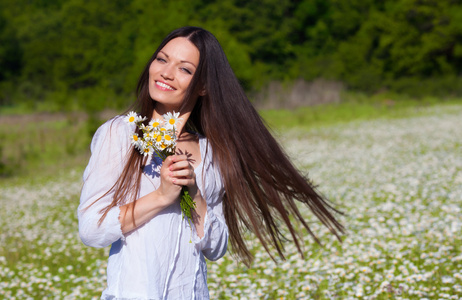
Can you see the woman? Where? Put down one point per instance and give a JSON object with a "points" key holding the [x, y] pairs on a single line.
{"points": [[234, 170]]}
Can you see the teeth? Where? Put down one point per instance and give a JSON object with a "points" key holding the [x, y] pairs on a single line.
{"points": [[161, 84]]}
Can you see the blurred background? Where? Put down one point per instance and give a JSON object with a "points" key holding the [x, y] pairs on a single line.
{"points": [[68, 65], [365, 95]]}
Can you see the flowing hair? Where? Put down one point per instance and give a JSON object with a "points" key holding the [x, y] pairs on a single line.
{"points": [[261, 184]]}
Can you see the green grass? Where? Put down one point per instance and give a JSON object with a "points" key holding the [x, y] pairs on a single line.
{"points": [[357, 109], [42, 144], [31, 143], [28, 145]]}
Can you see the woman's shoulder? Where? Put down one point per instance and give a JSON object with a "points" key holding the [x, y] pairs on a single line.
{"points": [[203, 141], [119, 123], [113, 131], [116, 125]]}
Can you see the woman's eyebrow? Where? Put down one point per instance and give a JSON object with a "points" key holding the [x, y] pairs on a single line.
{"points": [[164, 53], [182, 61]]}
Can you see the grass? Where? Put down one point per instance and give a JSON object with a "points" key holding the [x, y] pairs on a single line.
{"points": [[48, 142], [44, 143], [356, 109], [397, 176]]}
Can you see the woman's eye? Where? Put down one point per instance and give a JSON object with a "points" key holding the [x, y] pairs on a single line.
{"points": [[186, 70], [160, 59]]}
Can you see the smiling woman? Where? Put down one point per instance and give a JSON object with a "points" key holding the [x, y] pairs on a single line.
{"points": [[238, 181]]}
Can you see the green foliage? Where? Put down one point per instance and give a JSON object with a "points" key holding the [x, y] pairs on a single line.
{"points": [[50, 51]]}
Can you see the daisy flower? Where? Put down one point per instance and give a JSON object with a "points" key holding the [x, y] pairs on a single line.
{"points": [[155, 123], [147, 135], [133, 118], [139, 145], [147, 151], [168, 140], [172, 119], [159, 138], [135, 140]]}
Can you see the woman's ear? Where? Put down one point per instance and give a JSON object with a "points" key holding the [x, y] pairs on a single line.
{"points": [[202, 92]]}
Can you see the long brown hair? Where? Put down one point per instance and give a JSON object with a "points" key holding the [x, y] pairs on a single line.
{"points": [[261, 184]]}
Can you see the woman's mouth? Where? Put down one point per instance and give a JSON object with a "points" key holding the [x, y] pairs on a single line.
{"points": [[164, 86]]}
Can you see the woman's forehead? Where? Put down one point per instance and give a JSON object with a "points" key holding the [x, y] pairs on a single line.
{"points": [[181, 50]]}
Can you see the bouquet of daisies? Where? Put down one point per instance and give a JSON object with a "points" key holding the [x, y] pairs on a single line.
{"points": [[159, 137]]}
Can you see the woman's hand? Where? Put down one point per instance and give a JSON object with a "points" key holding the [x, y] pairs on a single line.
{"points": [[176, 172]]}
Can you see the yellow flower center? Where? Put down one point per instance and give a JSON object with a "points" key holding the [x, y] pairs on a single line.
{"points": [[146, 150], [163, 146], [167, 137], [135, 137], [155, 124], [159, 138], [163, 129], [172, 121], [131, 119]]}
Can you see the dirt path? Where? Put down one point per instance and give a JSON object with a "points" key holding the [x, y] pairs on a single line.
{"points": [[50, 117]]}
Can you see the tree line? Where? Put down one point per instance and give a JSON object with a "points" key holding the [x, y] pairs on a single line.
{"points": [[67, 54]]}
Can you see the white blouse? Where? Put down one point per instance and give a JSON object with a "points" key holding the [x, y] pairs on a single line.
{"points": [[164, 258]]}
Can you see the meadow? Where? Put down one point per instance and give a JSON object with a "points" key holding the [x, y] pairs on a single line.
{"points": [[396, 176]]}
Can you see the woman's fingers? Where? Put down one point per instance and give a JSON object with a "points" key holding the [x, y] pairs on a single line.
{"points": [[183, 177], [184, 181], [178, 162], [185, 173], [180, 166], [168, 162], [181, 171]]}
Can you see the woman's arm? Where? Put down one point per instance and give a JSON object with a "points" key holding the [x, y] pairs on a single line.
{"points": [[109, 148], [210, 226], [175, 172], [199, 214], [146, 208], [213, 241]]}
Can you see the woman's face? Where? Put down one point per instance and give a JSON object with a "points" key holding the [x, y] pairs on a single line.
{"points": [[171, 72]]}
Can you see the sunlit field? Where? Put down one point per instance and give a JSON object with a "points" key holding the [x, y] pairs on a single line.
{"points": [[398, 181]]}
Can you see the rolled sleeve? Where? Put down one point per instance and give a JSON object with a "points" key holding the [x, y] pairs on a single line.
{"points": [[215, 240], [100, 235]]}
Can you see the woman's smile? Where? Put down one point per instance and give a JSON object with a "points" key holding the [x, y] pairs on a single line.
{"points": [[163, 86]]}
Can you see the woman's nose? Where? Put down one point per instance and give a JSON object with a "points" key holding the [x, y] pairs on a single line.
{"points": [[167, 73]]}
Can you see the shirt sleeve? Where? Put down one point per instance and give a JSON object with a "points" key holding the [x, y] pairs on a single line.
{"points": [[109, 149], [215, 240]]}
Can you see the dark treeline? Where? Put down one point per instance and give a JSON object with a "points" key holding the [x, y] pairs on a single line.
{"points": [[77, 54]]}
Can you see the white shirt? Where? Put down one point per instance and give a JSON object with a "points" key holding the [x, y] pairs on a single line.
{"points": [[156, 260]]}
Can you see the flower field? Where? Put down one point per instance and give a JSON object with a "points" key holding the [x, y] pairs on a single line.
{"points": [[398, 181]]}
